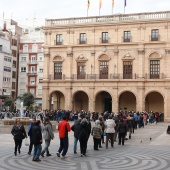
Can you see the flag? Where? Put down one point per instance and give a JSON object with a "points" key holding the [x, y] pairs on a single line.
{"points": [[100, 4], [125, 2], [112, 3], [88, 4]]}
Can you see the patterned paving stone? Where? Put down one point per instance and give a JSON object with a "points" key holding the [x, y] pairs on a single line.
{"points": [[134, 155]]}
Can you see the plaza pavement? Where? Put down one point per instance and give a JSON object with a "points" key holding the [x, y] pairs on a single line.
{"points": [[149, 149]]}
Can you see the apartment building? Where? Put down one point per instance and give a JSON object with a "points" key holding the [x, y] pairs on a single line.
{"points": [[107, 63], [31, 59], [6, 60]]}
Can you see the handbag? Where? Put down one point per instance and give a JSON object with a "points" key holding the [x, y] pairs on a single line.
{"points": [[26, 142]]}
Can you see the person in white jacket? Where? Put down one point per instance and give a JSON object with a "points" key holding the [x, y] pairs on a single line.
{"points": [[110, 131]]}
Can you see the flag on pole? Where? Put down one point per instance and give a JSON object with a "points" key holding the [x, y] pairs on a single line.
{"points": [[88, 4], [125, 3], [112, 3], [100, 4]]}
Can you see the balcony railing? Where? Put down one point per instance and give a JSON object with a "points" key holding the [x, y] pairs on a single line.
{"points": [[32, 73], [32, 84], [155, 38], [32, 62], [116, 76], [79, 41], [127, 39], [106, 40], [109, 18], [32, 51]]}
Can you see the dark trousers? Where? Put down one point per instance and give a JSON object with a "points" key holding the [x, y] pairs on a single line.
{"points": [[30, 146], [122, 138], [18, 144], [97, 142], [111, 137], [63, 146], [83, 146]]}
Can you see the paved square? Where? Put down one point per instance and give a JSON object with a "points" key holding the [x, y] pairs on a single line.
{"points": [[138, 153]]}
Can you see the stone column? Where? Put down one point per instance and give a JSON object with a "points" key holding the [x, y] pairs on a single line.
{"points": [[140, 100], [45, 98], [46, 64], [141, 59], [69, 99], [69, 63], [91, 100], [115, 100], [167, 104]]}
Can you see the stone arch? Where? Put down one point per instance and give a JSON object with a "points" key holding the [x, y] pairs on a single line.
{"points": [[154, 101], [103, 57], [127, 100], [103, 101], [80, 100], [155, 55], [58, 58], [57, 100]]}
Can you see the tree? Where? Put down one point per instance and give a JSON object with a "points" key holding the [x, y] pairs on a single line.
{"points": [[30, 108], [28, 99], [8, 102], [12, 107]]}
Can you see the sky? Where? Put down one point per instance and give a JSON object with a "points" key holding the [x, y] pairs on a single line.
{"points": [[29, 9]]}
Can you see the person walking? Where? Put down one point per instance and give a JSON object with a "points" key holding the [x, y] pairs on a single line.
{"points": [[37, 141], [30, 127], [84, 136], [76, 129], [63, 129], [48, 135], [96, 133], [110, 130], [19, 133], [122, 130]]}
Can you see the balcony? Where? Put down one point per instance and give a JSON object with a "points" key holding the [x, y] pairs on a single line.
{"points": [[32, 51], [33, 62], [109, 18], [4, 50], [32, 84], [127, 39], [155, 38], [32, 73], [155, 76], [103, 41], [83, 41]]}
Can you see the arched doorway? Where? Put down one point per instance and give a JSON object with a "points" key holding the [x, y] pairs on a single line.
{"points": [[154, 101], [57, 101], [127, 101], [80, 101], [103, 102]]}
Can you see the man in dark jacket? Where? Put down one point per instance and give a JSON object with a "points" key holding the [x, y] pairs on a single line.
{"points": [[37, 140], [122, 130], [76, 129], [30, 127]]}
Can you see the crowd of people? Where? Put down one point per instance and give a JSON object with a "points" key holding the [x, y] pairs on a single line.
{"points": [[108, 128]]}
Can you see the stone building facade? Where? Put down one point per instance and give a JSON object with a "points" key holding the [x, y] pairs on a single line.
{"points": [[105, 63]]}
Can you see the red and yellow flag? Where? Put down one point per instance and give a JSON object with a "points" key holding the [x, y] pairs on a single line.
{"points": [[100, 4], [88, 4], [113, 4]]}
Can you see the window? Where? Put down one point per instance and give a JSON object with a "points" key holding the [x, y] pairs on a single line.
{"points": [[41, 58], [58, 70], [103, 69], [25, 48], [105, 37], [155, 35], [14, 64], [13, 74], [32, 69], [14, 53], [23, 58], [23, 69], [41, 70], [7, 69], [32, 91], [7, 79], [127, 36], [8, 59], [59, 39], [33, 59], [40, 80], [82, 38], [40, 91], [154, 69], [22, 91], [34, 48], [81, 70], [13, 85], [127, 70], [32, 80]]}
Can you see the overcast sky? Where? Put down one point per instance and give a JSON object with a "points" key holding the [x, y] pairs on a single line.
{"points": [[28, 9]]}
